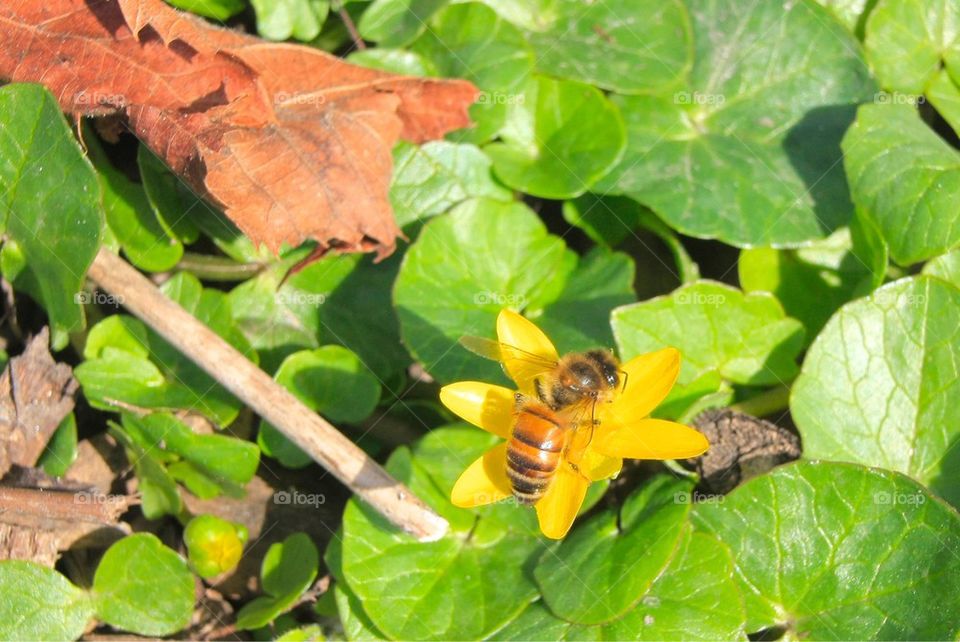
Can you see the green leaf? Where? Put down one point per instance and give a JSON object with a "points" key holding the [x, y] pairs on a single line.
{"points": [[610, 220], [159, 492], [946, 267], [283, 19], [908, 41], [836, 551], [413, 590], [51, 234], [535, 15], [173, 202], [944, 95], [61, 451], [127, 362], [395, 23], [579, 318], [356, 623], [288, 569], [463, 269], [745, 337], [851, 13], [594, 576], [216, 9], [227, 461], [143, 587], [471, 41], [40, 604], [397, 61], [695, 598], [331, 381], [880, 385], [130, 216], [811, 282], [578, 136], [430, 179], [908, 194], [747, 151], [627, 46]]}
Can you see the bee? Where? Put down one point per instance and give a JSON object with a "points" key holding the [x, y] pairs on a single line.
{"points": [[550, 427]]}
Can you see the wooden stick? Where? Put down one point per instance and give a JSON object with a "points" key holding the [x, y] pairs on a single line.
{"points": [[324, 443]]}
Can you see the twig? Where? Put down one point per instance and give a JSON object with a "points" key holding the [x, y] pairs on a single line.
{"points": [[351, 28], [324, 443]]}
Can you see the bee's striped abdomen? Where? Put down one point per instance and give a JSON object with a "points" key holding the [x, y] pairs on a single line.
{"points": [[533, 452]]}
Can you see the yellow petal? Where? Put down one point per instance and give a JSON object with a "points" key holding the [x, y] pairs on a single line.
{"points": [[650, 377], [652, 439], [597, 466], [485, 481], [516, 331], [482, 404], [558, 508]]}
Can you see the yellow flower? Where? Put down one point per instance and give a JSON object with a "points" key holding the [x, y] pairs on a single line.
{"points": [[624, 429]]}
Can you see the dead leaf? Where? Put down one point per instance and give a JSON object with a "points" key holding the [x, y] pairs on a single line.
{"points": [[293, 143], [36, 393], [741, 447]]}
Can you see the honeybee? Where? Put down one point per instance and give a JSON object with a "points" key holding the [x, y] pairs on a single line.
{"points": [[553, 425]]}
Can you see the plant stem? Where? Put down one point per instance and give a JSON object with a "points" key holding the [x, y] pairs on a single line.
{"points": [[274, 403], [766, 403], [217, 268]]}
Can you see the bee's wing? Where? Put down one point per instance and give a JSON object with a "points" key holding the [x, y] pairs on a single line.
{"points": [[496, 351]]}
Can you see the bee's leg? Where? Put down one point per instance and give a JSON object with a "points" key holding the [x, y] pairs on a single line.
{"points": [[541, 395]]}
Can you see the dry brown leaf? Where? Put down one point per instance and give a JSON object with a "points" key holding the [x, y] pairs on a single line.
{"points": [[36, 393], [293, 143]]}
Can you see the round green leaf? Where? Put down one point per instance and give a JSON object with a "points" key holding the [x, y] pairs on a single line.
{"points": [[397, 61], [695, 598], [143, 587], [40, 604], [880, 385], [851, 13], [745, 337], [463, 269], [172, 199], [814, 281], [283, 19], [946, 267], [747, 151], [627, 46], [394, 23], [908, 41], [415, 590], [909, 194], [430, 179], [217, 9], [50, 213], [331, 381], [836, 551], [471, 41], [596, 575], [578, 135]]}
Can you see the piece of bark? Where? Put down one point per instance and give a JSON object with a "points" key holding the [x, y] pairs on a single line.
{"points": [[741, 447], [100, 460], [36, 393], [36, 523]]}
